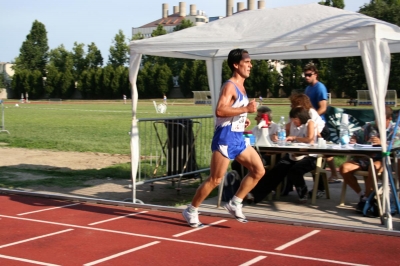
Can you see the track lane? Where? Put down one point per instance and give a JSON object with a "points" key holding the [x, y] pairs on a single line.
{"points": [[226, 242]]}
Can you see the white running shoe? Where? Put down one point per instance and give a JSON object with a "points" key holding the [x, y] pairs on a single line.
{"points": [[192, 218], [236, 211]]}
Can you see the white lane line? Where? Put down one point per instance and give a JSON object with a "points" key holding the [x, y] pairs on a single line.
{"points": [[185, 241], [199, 228], [43, 210], [120, 254], [29, 261], [34, 238], [119, 217], [297, 240], [251, 262]]}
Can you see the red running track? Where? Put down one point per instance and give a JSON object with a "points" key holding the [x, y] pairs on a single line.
{"points": [[42, 231]]}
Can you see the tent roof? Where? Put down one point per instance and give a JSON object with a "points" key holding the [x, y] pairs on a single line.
{"points": [[302, 31]]}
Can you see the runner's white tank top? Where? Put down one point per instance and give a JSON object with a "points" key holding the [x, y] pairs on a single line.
{"points": [[224, 133]]}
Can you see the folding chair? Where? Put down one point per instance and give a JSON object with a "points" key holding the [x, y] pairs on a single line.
{"points": [[178, 147], [320, 172]]}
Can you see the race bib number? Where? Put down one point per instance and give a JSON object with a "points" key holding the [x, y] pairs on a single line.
{"points": [[238, 123]]}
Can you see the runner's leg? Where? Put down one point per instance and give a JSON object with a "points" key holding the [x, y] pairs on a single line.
{"points": [[250, 159], [219, 165]]}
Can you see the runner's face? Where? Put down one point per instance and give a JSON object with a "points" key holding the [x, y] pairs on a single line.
{"points": [[244, 66]]}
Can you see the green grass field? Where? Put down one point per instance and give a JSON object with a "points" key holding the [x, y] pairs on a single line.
{"points": [[81, 126], [95, 126]]}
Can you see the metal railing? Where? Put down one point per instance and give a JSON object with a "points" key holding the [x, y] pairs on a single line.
{"points": [[174, 148]]}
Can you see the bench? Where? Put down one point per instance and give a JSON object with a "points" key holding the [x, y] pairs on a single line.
{"points": [[353, 102]]}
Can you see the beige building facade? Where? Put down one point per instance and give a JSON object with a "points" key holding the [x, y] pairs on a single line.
{"points": [[169, 22], [197, 17]]}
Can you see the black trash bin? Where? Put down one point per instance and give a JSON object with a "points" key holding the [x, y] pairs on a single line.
{"points": [[181, 149]]}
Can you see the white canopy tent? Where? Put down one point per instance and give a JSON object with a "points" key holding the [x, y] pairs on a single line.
{"points": [[294, 32]]}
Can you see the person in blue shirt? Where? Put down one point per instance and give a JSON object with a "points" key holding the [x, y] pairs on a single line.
{"points": [[318, 95], [315, 90]]}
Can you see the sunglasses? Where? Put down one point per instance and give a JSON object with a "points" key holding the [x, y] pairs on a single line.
{"points": [[308, 74]]}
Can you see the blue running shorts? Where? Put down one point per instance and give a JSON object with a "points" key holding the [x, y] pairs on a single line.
{"points": [[229, 151]]}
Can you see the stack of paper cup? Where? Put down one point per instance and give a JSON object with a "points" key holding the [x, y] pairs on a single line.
{"points": [[321, 143], [345, 118]]}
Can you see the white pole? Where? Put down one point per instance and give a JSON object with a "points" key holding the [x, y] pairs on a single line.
{"points": [[2, 118]]}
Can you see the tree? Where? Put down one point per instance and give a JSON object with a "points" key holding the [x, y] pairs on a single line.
{"points": [[162, 79], [333, 3], [226, 71], [292, 78], [79, 60], [99, 87], [184, 24], [17, 82], [2, 83], [124, 84], [349, 76], [159, 31], [119, 53], [263, 77], [34, 50], [93, 56], [60, 73], [143, 80], [201, 79], [115, 86], [387, 10], [105, 82], [185, 79], [137, 36], [193, 77], [85, 85]]}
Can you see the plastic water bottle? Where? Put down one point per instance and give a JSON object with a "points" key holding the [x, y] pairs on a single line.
{"points": [[249, 137], [344, 136], [282, 132]]}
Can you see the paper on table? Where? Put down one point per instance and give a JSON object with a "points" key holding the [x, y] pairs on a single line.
{"points": [[330, 146], [301, 144], [366, 146]]}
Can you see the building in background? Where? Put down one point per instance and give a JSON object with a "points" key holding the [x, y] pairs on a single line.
{"points": [[197, 17], [169, 22]]}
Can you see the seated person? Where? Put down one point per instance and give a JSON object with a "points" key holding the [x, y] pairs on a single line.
{"points": [[301, 99], [367, 135], [273, 128], [294, 166]]}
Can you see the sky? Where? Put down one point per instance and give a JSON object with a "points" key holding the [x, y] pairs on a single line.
{"points": [[98, 21]]}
